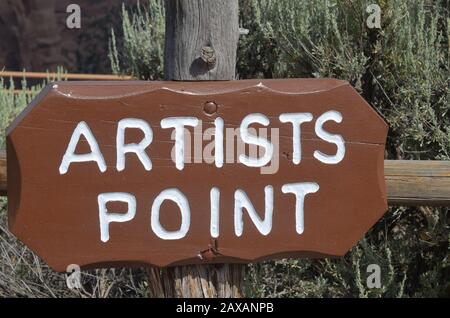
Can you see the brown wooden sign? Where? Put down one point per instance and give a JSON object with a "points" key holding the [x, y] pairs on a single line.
{"points": [[164, 173]]}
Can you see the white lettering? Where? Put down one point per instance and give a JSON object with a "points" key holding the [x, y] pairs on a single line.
{"points": [[215, 208], [138, 149], [178, 123], [106, 217], [300, 190], [296, 119], [70, 155], [241, 201], [331, 138], [179, 198], [255, 140]]}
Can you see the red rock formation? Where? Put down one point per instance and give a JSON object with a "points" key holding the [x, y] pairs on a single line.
{"points": [[34, 35]]}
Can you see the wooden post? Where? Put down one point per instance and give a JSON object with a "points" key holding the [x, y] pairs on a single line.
{"points": [[201, 39], [200, 44]]}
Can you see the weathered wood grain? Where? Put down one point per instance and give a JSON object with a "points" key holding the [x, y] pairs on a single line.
{"points": [[417, 183], [200, 44], [201, 39], [408, 182]]}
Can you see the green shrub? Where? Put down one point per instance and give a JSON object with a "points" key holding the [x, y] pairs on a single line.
{"points": [[141, 53], [11, 104]]}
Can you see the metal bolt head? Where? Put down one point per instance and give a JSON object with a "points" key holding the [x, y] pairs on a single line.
{"points": [[210, 108]]}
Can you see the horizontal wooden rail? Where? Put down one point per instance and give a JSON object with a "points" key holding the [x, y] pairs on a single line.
{"points": [[408, 182], [69, 76], [417, 182], [17, 91]]}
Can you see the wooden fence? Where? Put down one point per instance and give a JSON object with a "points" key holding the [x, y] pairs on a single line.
{"points": [[68, 76], [65, 76]]}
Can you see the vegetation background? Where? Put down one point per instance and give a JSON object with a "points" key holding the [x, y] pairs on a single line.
{"points": [[401, 69]]}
